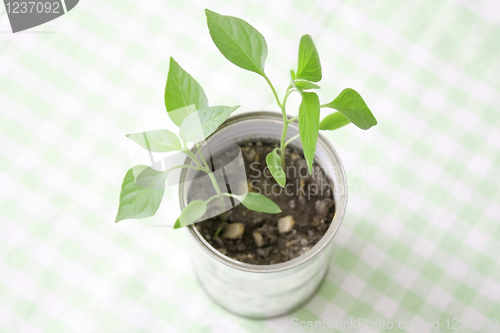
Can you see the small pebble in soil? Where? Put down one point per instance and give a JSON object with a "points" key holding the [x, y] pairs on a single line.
{"points": [[233, 230], [218, 241], [322, 207], [273, 239], [285, 224], [240, 246], [303, 242], [257, 237]]}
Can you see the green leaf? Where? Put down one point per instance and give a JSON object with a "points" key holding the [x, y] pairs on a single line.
{"points": [[151, 179], [333, 121], [273, 161], [352, 105], [238, 41], [309, 125], [309, 67], [191, 213], [306, 85], [199, 125], [177, 116], [258, 202], [159, 141], [183, 95], [137, 202]]}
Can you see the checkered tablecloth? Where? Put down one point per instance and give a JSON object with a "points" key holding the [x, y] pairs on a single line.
{"points": [[421, 237]]}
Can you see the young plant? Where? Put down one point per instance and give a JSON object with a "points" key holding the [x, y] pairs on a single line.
{"points": [[187, 106], [245, 47]]}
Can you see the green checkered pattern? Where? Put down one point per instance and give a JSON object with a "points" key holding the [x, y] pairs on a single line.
{"points": [[421, 237]]}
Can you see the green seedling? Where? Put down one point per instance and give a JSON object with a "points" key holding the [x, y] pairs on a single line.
{"points": [[187, 106], [245, 47]]}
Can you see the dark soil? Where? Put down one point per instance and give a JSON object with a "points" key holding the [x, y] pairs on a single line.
{"points": [[308, 199]]}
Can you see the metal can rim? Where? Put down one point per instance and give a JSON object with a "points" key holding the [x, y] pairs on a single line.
{"points": [[340, 207]]}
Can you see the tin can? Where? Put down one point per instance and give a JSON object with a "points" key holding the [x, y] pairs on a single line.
{"points": [[264, 291]]}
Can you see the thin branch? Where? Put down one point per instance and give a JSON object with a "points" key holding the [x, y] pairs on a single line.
{"points": [[184, 166], [201, 156], [292, 138], [274, 90], [189, 153]]}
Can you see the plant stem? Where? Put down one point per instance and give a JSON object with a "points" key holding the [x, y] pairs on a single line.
{"points": [[201, 156], [185, 166], [291, 139], [285, 127], [189, 153], [286, 121], [214, 181], [205, 168], [274, 91]]}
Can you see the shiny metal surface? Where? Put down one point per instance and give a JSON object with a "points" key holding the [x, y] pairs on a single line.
{"points": [[263, 291]]}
